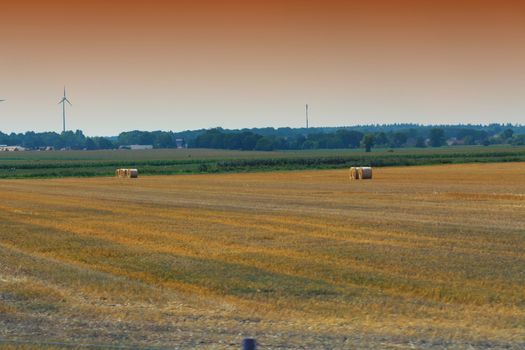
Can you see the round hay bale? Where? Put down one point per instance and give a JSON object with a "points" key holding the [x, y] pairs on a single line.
{"points": [[365, 173], [133, 173], [353, 173], [127, 173]]}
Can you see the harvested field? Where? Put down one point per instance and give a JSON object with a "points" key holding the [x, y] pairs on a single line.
{"points": [[419, 257]]}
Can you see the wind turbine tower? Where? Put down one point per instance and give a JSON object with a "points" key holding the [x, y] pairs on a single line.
{"points": [[307, 116], [63, 101]]}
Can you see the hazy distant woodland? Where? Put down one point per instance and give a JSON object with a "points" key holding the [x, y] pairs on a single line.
{"points": [[268, 139]]}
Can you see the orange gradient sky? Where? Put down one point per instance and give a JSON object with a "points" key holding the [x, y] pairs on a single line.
{"points": [[175, 65]]}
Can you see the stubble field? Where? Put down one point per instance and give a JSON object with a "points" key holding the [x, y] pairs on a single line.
{"points": [[419, 257]]}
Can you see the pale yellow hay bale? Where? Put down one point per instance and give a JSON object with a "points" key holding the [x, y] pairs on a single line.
{"points": [[353, 173]]}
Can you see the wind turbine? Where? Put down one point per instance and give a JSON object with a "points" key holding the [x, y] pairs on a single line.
{"points": [[63, 101]]}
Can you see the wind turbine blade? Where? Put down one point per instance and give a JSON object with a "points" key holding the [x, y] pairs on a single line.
{"points": [[65, 99]]}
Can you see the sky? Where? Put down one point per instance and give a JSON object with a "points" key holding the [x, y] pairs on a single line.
{"points": [[190, 64]]}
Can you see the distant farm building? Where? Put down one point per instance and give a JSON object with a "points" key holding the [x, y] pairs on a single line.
{"points": [[136, 147], [127, 173], [181, 143], [455, 142], [4, 148]]}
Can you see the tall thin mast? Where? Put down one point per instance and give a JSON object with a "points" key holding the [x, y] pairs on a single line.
{"points": [[307, 115]]}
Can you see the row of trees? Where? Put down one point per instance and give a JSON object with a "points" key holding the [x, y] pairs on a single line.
{"points": [[158, 139], [266, 140], [345, 138], [247, 140], [77, 140], [68, 140]]}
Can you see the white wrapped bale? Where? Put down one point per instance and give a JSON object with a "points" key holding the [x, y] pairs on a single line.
{"points": [[365, 173], [133, 173]]}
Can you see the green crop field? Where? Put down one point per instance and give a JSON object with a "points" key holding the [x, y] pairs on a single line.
{"points": [[180, 161]]}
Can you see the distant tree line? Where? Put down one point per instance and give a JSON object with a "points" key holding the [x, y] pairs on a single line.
{"points": [[248, 141], [76, 140], [65, 140], [268, 139], [350, 138]]}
